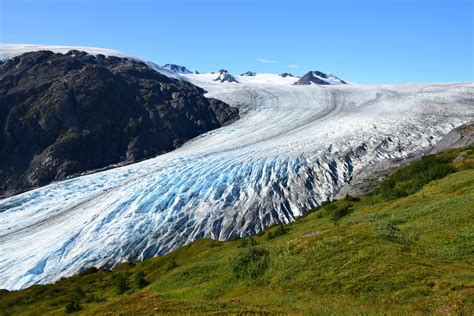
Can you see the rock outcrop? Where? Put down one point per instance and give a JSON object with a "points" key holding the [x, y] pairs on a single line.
{"points": [[461, 136]]}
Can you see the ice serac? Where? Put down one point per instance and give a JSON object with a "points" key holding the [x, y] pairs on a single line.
{"points": [[64, 114]]}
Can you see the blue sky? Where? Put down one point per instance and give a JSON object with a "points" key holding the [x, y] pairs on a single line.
{"points": [[361, 41]]}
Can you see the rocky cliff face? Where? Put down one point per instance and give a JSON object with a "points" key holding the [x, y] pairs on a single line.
{"points": [[62, 115]]}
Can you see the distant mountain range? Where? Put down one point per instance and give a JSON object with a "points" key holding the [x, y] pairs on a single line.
{"points": [[311, 77]]}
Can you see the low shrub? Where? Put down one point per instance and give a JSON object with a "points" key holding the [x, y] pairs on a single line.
{"points": [[387, 231], [251, 263], [72, 306], [339, 212], [281, 230], [330, 207], [78, 293], [247, 242], [351, 198], [121, 284], [92, 298], [87, 271], [413, 177], [140, 280], [326, 203], [171, 264]]}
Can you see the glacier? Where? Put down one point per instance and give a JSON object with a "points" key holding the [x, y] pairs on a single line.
{"points": [[293, 147]]}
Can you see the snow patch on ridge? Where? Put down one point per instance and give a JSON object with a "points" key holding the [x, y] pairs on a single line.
{"points": [[8, 51]]}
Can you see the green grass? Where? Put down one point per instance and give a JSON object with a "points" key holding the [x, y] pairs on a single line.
{"points": [[374, 254]]}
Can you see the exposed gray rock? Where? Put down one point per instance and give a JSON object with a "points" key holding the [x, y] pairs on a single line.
{"points": [[461, 136]]}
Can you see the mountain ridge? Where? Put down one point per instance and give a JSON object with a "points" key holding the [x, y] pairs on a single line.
{"points": [[59, 113]]}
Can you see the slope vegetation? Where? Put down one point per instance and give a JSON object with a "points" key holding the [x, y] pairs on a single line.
{"points": [[407, 248]]}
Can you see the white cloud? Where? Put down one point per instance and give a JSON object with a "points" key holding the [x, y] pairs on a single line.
{"points": [[293, 66], [267, 61]]}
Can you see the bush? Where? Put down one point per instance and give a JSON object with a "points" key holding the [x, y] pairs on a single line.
{"points": [[72, 306], [235, 237], [251, 263], [351, 198], [281, 230], [413, 177], [87, 271], [171, 264], [247, 242], [338, 213], [78, 293], [326, 203], [330, 207], [92, 298], [140, 280], [387, 231], [121, 284]]}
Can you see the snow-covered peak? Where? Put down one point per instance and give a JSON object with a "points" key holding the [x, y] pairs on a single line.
{"points": [[205, 79], [319, 78], [224, 76], [286, 74], [177, 69], [248, 74]]}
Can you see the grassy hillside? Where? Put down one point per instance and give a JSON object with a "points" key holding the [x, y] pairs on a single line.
{"points": [[408, 248]]}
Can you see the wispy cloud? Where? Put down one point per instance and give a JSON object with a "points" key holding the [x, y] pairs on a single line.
{"points": [[293, 66], [267, 61]]}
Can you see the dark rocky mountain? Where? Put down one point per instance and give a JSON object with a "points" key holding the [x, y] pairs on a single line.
{"points": [[177, 69], [249, 74], [286, 74], [61, 115], [225, 76], [319, 78]]}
